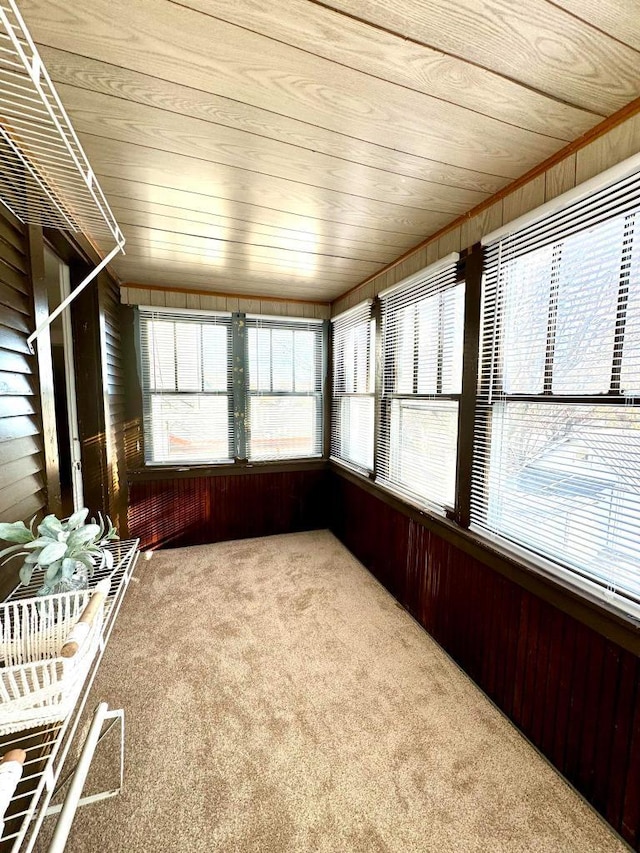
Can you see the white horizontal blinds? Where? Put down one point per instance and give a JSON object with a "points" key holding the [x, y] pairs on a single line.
{"points": [[186, 386], [284, 388], [352, 403], [422, 342], [557, 451]]}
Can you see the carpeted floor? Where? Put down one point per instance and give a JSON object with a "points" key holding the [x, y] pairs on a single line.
{"points": [[279, 700]]}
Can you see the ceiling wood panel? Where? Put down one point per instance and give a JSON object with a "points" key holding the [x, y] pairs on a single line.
{"points": [[296, 149], [104, 78], [256, 70], [178, 235], [327, 33], [532, 42], [112, 158], [168, 201], [109, 117], [617, 18]]}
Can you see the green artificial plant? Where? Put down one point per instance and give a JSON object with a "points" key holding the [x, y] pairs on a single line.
{"points": [[56, 546]]}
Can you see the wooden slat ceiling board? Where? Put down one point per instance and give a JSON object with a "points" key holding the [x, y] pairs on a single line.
{"points": [[294, 149]]}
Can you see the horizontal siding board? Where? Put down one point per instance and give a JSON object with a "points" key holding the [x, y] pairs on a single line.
{"points": [[13, 298], [16, 383], [13, 278], [20, 491], [18, 448]]}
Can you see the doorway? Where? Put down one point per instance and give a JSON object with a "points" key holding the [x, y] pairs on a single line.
{"points": [[68, 437]]}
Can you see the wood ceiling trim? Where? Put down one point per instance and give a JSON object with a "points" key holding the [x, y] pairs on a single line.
{"points": [[109, 117], [101, 77], [360, 46], [534, 43], [254, 69], [600, 130], [190, 291]]}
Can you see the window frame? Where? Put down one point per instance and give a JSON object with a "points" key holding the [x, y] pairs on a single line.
{"points": [[387, 358], [337, 396], [237, 393], [491, 394]]}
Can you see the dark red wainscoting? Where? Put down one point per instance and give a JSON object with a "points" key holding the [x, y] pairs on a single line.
{"points": [[197, 510], [570, 690]]}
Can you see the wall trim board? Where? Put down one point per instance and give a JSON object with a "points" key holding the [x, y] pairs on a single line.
{"points": [[601, 130], [201, 292], [596, 614]]}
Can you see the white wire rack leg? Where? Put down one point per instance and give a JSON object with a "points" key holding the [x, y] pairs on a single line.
{"points": [[74, 798]]}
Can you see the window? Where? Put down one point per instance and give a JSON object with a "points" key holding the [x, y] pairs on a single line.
{"points": [[284, 388], [186, 386], [352, 404], [422, 342], [195, 412], [557, 451]]}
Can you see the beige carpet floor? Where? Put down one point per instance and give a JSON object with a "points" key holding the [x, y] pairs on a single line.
{"points": [[279, 700]]}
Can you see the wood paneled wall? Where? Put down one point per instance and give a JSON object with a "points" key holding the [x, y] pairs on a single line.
{"points": [[573, 693], [22, 466], [113, 377], [196, 510]]}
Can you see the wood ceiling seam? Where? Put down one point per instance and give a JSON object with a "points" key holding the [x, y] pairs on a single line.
{"points": [[590, 24], [508, 33], [268, 175], [227, 242], [320, 91], [275, 176], [104, 175], [302, 122], [394, 82], [123, 211]]}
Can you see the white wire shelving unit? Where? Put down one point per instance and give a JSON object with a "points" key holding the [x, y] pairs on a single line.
{"points": [[47, 747], [45, 176]]}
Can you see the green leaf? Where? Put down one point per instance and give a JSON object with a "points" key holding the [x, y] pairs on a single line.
{"points": [[86, 560], [16, 532], [107, 560], [68, 567], [52, 552], [25, 574], [50, 526], [77, 519], [85, 534], [52, 571]]}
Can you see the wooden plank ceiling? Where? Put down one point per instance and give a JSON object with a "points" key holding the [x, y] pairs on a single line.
{"points": [[293, 149]]}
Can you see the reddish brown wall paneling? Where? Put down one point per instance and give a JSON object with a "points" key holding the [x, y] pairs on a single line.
{"points": [[570, 690], [196, 510]]}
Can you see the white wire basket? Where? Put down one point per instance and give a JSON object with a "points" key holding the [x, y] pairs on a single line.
{"points": [[38, 685]]}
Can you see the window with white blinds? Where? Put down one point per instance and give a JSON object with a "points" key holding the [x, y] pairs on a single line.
{"points": [[353, 389], [284, 377], [557, 450], [186, 386], [422, 343]]}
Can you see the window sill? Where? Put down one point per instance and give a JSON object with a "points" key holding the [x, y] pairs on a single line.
{"points": [[226, 469], [604, 617]]}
